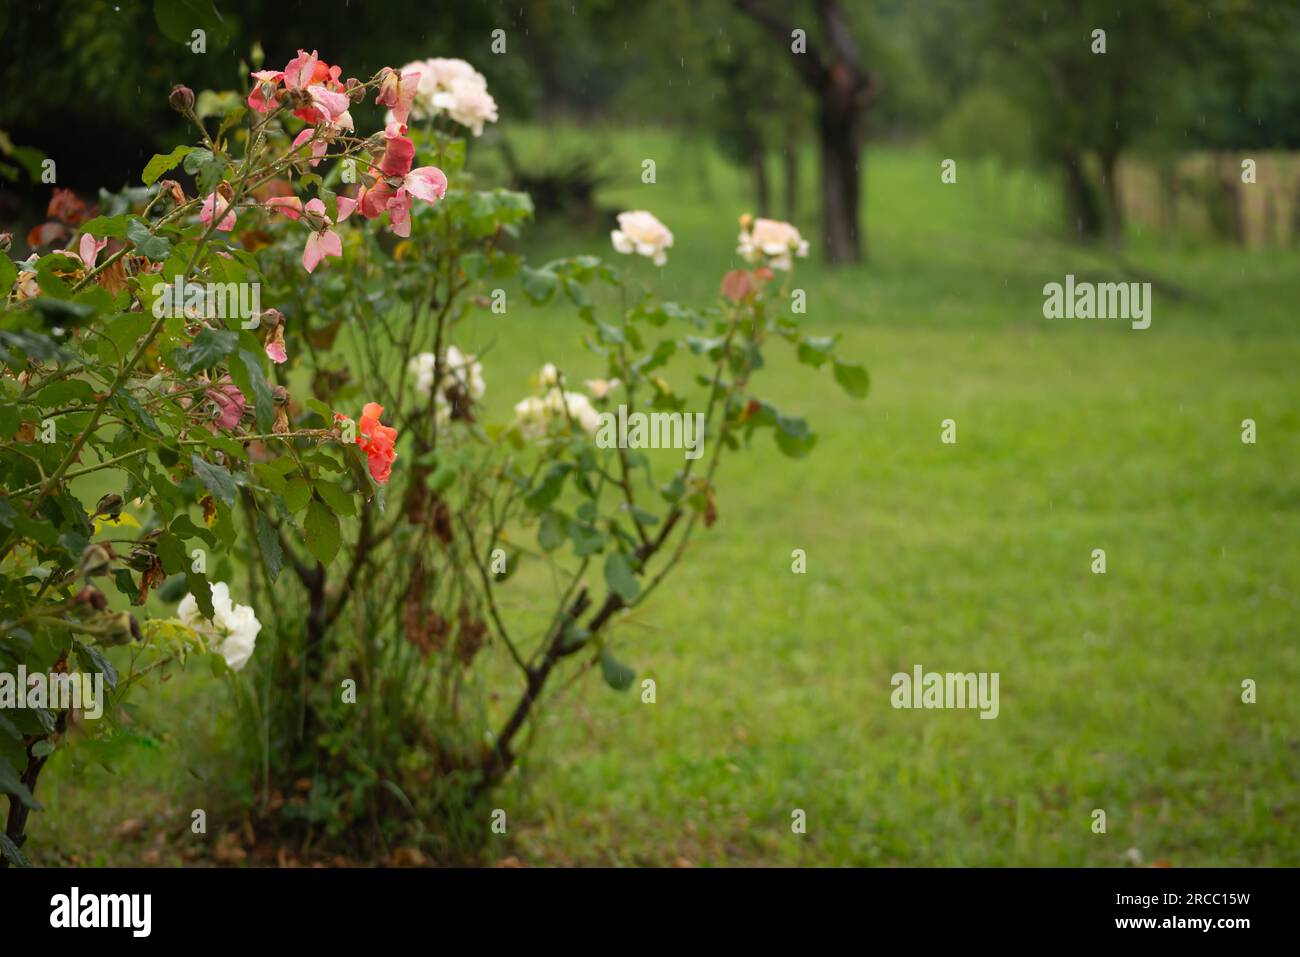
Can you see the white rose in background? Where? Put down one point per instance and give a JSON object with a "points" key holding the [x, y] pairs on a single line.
{"points": [[463, 369], [469, 105], [534, 415], [641, 233], [453, 88], [770, 242], [233, 630], [600, 389]]}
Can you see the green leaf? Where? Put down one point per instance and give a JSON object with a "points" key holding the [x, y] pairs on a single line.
{"points": [[619, 576], [209, 347], [206, 169], [853, 378], [539, 284], [297, 494], [100, 664], [162, 162], [177, 19], [146, 243], [616, 674], [323, 537], [11, 852], [550, 533], [8, 273], [268, 543], [215, 479], [548, 489], [12, 784], [114, 226], [336, 498], [254, 378], [814, 351]]}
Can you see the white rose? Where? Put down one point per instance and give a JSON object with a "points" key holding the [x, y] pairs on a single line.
{"points": [[232, 631], [641, 233], [422, 367], [461, 368], [580, 410], [773, 241], [601, 388], [468, 103]]}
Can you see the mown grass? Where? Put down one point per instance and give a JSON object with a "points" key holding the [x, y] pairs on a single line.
{"points": [[1119, 691]]}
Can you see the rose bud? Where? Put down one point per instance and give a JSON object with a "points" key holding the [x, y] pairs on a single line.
{"points": [[181, 99], [6, 240], [110, 505], [94, 561], [92, 596]]}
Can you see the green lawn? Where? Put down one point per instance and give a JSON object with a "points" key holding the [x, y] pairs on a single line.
{"points": [[1118, 691]]}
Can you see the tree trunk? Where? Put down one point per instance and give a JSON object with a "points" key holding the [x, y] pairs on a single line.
{"points": [[790, 159], [1081, 198], [762, 191], [845, 91], [839, 131], [1114, 205]]}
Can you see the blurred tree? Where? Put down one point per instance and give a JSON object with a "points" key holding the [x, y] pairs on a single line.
{"points": [[1096, 79], [830, 66]]}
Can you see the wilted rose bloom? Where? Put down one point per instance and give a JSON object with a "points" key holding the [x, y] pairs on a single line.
{"points": [[398, 90], [229, 402], [273, 321], [641, 233], [233, 629], [772, 242]]}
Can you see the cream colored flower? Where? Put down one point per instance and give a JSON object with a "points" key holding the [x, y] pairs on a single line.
{"points": [[600, 389], [771, 242], [641, 232], [233, 629], [463, 369]]}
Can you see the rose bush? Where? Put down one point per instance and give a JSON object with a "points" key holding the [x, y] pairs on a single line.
{"points": [[332, 457]]}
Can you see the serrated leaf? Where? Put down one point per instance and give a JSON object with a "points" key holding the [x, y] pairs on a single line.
{"points": [[162, 162], [215, 479], [268, 543], [209, 347], [11, 783], [11, 852], [146, 243]]}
